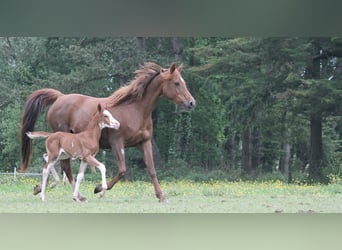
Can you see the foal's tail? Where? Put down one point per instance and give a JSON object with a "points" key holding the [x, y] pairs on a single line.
{"points": [[37, 134], [35, 104]]}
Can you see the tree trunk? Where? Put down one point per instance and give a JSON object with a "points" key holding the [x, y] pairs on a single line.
{"points": [[316, 151], [246, 158], [177, 49], [284, 160], [229, 148], [141, 46], [255, 144]]}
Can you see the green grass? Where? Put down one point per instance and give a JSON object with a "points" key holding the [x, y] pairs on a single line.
{"points": [[184, 197]]}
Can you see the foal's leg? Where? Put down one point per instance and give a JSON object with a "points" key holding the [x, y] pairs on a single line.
{"points": [[119, 155], [66, 166], [79, 178], [38, 188], [55, 176], [64, 178], [46, 172], [93, 162]]}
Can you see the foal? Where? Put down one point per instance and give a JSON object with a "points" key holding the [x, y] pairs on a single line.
{"points": [[83, 146]]}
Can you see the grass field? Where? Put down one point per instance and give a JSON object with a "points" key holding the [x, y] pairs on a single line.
{"points": [[184, 197]]}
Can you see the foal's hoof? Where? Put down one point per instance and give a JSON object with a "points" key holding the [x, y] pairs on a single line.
{"points": [[75, 198], [164, 201], [79, 199], [102, 193], [98, 189], [83, 199], [37, 189], [53, 184]]}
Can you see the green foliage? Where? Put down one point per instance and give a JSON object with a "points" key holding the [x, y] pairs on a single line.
{"points": [[268, 86], [9, 144]]}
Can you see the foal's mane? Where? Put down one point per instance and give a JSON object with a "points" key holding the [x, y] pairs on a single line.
{"points": [[136, 88]]}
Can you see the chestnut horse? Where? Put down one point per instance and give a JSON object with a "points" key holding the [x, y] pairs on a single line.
{"points": [[83, 146], [132, 105]]}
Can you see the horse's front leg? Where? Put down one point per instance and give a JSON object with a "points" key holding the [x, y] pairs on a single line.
{"points": [[119, 155], [146, 148]]}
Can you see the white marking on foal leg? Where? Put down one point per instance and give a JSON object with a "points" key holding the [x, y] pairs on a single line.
{"points": [[46, 157], [46, 172], [122, 151], [64, 178], [55, 176], [79, 178], [102, 169]]}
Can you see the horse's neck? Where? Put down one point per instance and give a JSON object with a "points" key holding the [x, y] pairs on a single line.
{"points": [[150, 98]]}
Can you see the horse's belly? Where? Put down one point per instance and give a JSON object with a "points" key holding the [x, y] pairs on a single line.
{"points": [[139, 137]]}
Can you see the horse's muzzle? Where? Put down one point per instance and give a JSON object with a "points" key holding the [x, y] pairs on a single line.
{"points": [[190, 104]]}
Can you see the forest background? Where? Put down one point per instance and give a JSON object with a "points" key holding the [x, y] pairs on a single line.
{"points": [[267, 108]]}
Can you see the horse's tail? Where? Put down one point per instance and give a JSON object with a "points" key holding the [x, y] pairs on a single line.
{"points": [[37, 134], [35, 104]]}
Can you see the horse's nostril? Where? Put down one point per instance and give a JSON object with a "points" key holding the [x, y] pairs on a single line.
{"points": [[190, 103]]}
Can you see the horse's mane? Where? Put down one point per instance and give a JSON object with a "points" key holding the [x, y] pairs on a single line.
{"points": [[136, 88]]}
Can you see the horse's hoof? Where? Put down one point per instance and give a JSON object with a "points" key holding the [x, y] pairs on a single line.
{"points": [[37, 189], [98, 189]]}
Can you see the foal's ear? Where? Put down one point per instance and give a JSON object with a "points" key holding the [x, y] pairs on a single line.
{"points": [[99, 108], [172, 68]]}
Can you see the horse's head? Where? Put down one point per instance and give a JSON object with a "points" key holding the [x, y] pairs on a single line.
{"points": [[175, 88], [106, 119]]}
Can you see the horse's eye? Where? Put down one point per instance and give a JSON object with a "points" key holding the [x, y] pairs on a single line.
{"points": [[177, 83]]}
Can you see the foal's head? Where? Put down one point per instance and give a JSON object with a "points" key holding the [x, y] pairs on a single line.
{"points": [[106, 120], [175, 88]]}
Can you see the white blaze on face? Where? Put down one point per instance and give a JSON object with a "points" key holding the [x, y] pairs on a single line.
{"points": [[113, 123], [122, 151]]}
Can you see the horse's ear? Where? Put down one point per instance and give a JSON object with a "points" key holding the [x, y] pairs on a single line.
{"points": [[99, 108], [180, 68], [172, 68]]}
